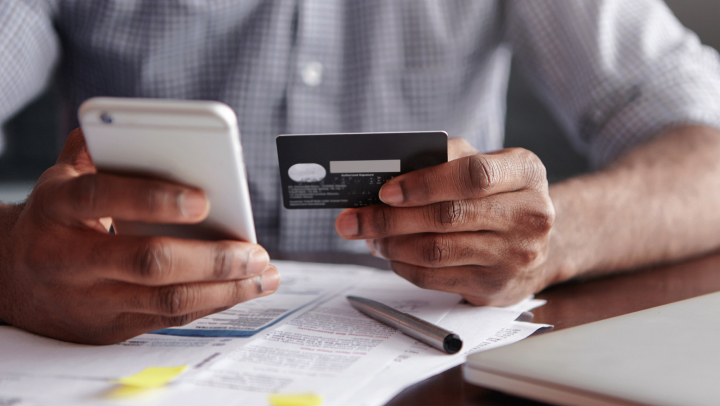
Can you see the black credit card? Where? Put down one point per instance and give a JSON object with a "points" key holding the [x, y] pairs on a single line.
{"points": [[347, 170]]}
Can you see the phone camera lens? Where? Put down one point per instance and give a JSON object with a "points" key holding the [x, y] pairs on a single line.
{"points": [[106, 118]]}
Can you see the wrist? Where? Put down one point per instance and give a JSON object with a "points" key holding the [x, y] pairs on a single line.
{"points": [[568, 254], [559, 265]]}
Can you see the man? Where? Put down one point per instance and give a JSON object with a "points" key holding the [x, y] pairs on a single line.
{"points": [[634, 89]]}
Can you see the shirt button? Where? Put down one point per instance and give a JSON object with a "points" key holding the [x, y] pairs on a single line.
{"points": [[311, 73]]}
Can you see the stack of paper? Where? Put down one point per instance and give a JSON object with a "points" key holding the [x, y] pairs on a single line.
{"points": [[305, 338]]}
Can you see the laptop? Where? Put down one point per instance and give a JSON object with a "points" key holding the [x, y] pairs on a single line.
{"points": [[667, 355]]}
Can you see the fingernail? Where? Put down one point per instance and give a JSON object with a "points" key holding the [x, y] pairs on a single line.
{"points": [[257, 261], [269, 280], [391, 193], [192, 204], [347, 225], [372, 246]]}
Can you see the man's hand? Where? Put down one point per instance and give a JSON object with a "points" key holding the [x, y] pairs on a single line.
{"points": [[63, 275], [478, 225]]}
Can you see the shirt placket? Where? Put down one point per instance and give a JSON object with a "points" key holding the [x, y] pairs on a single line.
{"points": [[313, 107]]}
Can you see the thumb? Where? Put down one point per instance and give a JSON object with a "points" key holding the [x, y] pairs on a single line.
{"points": [[75, 153], [458, 148]]}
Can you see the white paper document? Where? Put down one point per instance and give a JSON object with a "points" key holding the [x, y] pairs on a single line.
{"points": [[480, 328], [305, 338]]}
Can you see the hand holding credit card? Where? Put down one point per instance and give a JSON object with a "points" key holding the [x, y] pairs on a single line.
{"points": [[478, 225], [347, 170], [454, 219]]}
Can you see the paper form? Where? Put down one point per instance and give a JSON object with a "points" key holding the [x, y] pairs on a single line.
{"points": [[15, 401], [481, 328], [326, 350], [65, 368], [308, 339], [301, 287]]}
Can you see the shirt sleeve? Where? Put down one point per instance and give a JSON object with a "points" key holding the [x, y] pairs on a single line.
{"points": [[29, 51], [614, 72]]}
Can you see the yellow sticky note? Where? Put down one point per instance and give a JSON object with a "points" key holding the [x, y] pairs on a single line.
{"points": [[152, 377], [302, 399]]}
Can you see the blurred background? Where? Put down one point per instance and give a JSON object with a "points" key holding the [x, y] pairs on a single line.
{"points": [[31, 143]]}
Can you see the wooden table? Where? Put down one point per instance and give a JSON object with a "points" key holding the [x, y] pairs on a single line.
{"points": [[569, 304]]}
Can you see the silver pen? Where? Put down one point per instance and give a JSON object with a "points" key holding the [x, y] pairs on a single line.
{"points": [[419, 329]]}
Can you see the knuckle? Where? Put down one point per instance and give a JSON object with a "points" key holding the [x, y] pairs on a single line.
{"points": [[84, 193], [238, 291], [482, 173], [494, 283], [466, 252], [174, 300], [383, 220], [533, 169], [451, 214], [238, 288], [222, 260], [435, 250], [179, 320], [495, 208], [527, 256], [151, 260], [539, 219], [544, 220], [243, 290], [426, 185], [454, 282], [154, 200]]}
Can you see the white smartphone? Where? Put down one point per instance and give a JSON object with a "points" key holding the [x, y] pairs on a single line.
{"points": [[195, 143]]}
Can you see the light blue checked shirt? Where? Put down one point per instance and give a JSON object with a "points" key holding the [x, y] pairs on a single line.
{"points": [[614, 72]]}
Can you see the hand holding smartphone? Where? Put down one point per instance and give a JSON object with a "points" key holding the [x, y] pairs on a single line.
{"points": [[89, 286], [196, 143]]}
